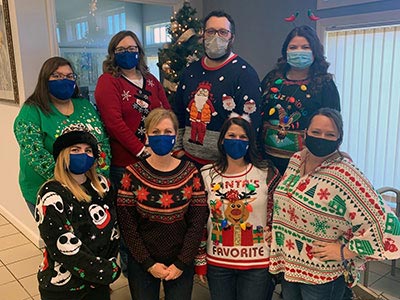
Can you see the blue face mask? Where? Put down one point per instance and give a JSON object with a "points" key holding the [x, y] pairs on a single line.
{"points": [[80, 163], [127, 60], [161, 144], [300, 59], [62, 89], [236, 148]]}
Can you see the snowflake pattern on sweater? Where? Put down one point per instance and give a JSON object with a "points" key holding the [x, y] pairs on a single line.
{"points": [[123, 108], [334, 203]]}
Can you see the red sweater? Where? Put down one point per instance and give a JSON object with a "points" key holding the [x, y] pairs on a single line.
{"points": [[123, 106]]}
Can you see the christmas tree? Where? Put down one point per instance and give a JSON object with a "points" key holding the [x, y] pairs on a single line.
{"points": [[185, 47]]}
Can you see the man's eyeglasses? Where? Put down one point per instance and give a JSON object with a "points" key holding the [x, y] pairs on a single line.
{"points": [[129, 49], [221, 32], [59, 76]]}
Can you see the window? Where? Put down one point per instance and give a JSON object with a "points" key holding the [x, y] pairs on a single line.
{"points": [[58, 34], [366, 64], [77, 29], [116, 22], [157, 34], [81, 30], [83, 35]]}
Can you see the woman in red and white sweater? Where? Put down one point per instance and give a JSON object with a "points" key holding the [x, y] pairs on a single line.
{"points": [[239, 192]]}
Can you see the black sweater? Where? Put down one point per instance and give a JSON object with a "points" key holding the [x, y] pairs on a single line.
{"points": [[81, 240]]}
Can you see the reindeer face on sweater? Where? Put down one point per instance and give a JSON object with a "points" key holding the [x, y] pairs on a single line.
{"points": [[236, 211]]}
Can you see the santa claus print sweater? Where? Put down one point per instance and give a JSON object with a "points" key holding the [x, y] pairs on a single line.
{"points": [[206, 97]]}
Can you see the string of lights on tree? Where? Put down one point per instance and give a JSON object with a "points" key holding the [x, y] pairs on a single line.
{"points": [[185, 47]]}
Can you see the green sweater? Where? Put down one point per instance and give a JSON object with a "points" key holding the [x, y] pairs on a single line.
{"points": [[36, 132]]}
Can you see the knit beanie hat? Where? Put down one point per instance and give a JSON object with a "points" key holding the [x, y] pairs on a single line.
{"points": [[75, 134]]}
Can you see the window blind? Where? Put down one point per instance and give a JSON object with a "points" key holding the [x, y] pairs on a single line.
{"points": [[366, 66]]}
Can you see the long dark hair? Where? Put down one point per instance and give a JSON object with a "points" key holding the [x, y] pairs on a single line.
{"points": [[318, 71], [109, 65], [221, 164], [41, 95]]}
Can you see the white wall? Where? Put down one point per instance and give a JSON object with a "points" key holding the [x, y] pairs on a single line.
{"points": [[31, 48]]}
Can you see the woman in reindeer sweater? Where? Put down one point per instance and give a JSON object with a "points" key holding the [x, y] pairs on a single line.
{"points": [[240, 200]]}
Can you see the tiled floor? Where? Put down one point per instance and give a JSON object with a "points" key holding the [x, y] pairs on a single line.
{"points": [[19, 261]]}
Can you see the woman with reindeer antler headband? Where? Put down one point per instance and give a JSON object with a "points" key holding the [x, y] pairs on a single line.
{"points": [[297, 87], [239, 192]]}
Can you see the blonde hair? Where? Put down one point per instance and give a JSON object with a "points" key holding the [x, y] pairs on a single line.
{"points": [[62, 175], [159, 114]]}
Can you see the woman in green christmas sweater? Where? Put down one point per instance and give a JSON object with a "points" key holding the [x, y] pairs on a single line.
{"points": [[53, 105]]}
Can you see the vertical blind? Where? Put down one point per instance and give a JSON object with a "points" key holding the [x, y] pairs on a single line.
{"points": [[366, 66]]}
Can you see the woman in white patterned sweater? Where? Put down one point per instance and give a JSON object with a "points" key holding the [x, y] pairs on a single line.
{"points": [[327, 217]]}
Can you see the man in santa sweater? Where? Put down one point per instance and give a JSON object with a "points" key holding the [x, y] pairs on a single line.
{"points": [[211, 89]]}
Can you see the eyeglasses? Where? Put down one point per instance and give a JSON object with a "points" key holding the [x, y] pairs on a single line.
{"points": [[128, 49], [59, 76], [221, 32]]}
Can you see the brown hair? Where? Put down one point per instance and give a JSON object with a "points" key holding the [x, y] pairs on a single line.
{"points": [[62, 175], [41, 96], [109, 65]]}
